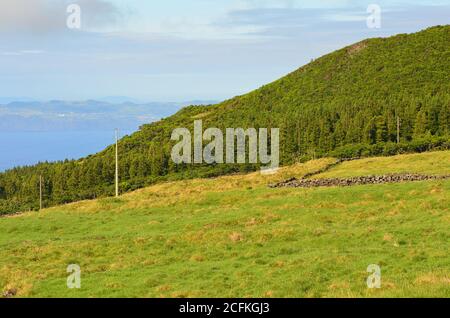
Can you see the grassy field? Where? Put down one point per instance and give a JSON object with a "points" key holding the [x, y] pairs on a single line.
{"points": [[234, 237], [431, 163]]}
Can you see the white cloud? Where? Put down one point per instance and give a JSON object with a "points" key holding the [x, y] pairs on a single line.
{"points": [[31, 51], [21, 52]]}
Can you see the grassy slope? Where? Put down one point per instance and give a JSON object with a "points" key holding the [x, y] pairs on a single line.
{"points": [[232, 236], [433, 163]]}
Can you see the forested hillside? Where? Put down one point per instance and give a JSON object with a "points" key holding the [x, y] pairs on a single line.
{"points": [[343, 104]]}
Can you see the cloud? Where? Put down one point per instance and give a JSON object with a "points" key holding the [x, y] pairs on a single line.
{"points": [[290, 21], [50, 16], [21, 52]]}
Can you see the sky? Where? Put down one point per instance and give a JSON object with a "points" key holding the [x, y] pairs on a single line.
{"points": [[179, 50]]}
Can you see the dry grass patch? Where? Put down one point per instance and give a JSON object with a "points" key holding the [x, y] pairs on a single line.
{"points": [[433, 279], [236, 237], [192, 191], [430, 163]]}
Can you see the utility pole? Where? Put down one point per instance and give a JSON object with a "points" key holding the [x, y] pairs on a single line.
{"points": [[398, 129], [117, 163], [40, 192]]}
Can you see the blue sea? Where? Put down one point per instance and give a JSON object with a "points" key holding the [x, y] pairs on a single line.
{"points": [[27, 148]]}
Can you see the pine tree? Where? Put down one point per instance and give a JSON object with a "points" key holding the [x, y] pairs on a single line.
{"points": [[420, 125]]}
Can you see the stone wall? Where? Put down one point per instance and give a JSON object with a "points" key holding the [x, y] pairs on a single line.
{"points": [[345, 182]]}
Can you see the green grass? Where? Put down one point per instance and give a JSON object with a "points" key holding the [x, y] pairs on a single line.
{"points": [[432, 163], [234, 237]]}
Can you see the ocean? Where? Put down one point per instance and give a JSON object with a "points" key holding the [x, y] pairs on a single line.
{"points": [[28, 148]]}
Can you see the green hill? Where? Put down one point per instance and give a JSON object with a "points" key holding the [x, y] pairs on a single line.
{"points": [[344, 104], [234, 237]]}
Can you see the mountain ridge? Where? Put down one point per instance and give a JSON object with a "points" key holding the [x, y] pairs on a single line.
{"points": [[57, 115]]}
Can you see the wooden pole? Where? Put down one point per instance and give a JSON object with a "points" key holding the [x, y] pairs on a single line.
{"points": [[117, 163], [40, 192], [398, 129]]}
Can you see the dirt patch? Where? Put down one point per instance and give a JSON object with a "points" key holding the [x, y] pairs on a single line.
{"points": [[356, 48]]}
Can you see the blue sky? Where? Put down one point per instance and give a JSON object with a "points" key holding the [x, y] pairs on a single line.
{"points": [[177, 50]]}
